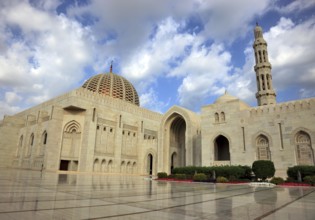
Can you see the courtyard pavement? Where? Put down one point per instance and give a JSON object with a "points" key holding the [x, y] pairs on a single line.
{"points": [[48, 195]]}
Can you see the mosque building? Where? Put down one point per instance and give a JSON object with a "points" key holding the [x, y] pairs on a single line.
{"points": [[100, 127]]}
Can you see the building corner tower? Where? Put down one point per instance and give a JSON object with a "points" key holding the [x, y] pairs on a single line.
{"points": [[265, 93]]}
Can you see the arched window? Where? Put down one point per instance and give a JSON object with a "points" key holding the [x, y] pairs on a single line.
{"points": [[41, 151], [103, 165], [96, 166], [216, 117], [262, 148], [304, 151], [30, 146], [19, 148], [222, 116], [110, 166]]}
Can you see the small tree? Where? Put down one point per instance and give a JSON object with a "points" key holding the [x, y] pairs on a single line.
{"points": [[263, 169]]}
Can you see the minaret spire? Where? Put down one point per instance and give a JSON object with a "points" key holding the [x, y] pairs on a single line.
{"points": [[111, 67], [265, 93]]}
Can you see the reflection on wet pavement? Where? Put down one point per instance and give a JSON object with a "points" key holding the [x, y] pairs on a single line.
{"points": [[35, 195]]}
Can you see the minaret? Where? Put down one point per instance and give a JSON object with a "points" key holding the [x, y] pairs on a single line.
{"points": [[265, 94]]}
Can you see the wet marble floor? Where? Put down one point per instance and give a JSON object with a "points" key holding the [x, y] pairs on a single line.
{"points": [[35, 195]]}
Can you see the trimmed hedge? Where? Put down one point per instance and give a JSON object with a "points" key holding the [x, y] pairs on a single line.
{"points": [[222, 179], [263, 169], [277, 180], [200, 177], [235, 172], [305, 170], [310, 180], [180, 176], [162, 175]]}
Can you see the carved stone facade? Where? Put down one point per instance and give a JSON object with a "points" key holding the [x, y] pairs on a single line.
{"points": [[89, 131]]}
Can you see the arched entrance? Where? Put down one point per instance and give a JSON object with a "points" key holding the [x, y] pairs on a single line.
{"points": [[178, 142], [221, 149], [70, 148], [150, 164], [173, 161]]}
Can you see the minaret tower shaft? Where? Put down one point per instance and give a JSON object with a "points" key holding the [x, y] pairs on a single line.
{"points": [[265, 93]]}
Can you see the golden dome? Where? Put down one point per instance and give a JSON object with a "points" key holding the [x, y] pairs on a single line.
{"points": [[113, 85]]}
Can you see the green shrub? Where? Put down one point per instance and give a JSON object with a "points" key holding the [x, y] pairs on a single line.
{"points": [[263, 169], [222, 179], [290, 180], [277, 180], [180, 176], [247, 172], [162, 175], [200, 177], [233, 179], [225, 171], [305, 170], [310, 180]]}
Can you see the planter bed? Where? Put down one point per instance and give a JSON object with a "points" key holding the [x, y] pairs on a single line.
{"points": [[294, 184]]}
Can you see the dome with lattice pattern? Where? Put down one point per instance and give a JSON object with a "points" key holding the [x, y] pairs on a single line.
{"points": [[113, 85]]}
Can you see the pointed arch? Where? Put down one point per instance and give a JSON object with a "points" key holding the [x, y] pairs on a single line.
{"points": [[123, 167], [134, 167], [96, 165], [72, 126], [221, 148], [71, 144], [110, 166], [42, 146], [303, 148], [262, 147], [178, 129], [103, 166], [30, 146], [20, 146]]}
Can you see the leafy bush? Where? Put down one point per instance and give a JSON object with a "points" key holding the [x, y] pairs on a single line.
{"points": [[290, 180], [305, 170], [309, 180], [277, 180], [247, 172], [225, 171], [222, 179], [200, 177], [162, 175], [263, 169], [180, 176]]}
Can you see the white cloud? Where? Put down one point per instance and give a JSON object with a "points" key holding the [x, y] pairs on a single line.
{"points": [[203, 70], [43, 55], [150, 100], [11, 97], [227, 20], [153, 59], [292, 55], [296, 6]]}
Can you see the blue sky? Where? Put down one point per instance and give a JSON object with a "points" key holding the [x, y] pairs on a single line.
{"points": [[180, 52]]}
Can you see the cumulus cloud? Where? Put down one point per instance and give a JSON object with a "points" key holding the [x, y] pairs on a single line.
{"points": [[42, 56], [296, 6], [292, 55], [150, 100], [188, 41], [203, 70]]}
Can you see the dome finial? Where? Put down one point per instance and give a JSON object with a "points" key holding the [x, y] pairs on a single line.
{"points": [[111, 67], [257, 23]]}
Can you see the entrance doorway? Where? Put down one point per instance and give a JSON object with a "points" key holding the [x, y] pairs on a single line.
{"points": [[150, 164], [173, 161], [221, 148]]}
